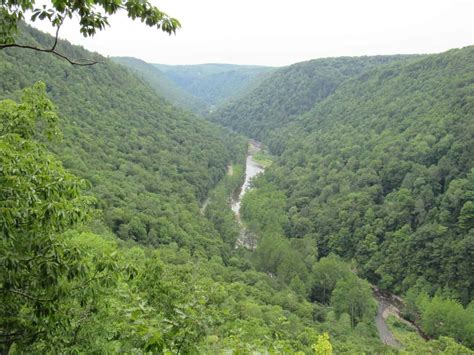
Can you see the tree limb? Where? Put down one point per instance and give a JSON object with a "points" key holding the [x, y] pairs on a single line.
{"points": [[57, 34], [44, 50], [51, 50]]}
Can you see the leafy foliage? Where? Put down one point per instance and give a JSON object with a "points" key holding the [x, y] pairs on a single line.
{"points": [[444, 316], [214, 83], [39, 200], [353, 296], [71, 291], [93, 15], [348, 179], [379, 172], [217, 209], [323, 346], [149, 163], [414, 344], [289, 92], [164, 86]]}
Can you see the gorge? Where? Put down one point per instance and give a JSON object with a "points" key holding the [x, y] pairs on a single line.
{"points": [[154, 226]]}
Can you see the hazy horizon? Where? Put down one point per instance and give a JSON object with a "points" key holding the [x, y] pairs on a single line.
{"points": [[277, 66], [279, 33]]}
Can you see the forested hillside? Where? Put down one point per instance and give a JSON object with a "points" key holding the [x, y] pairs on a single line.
{"points": [[291, 91], [119, 237], [213, 83], [70, 285], [381, 173], [164, 86], [149, 163]]}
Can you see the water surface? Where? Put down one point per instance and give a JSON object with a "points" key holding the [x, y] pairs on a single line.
{"points": [[252, 168]]}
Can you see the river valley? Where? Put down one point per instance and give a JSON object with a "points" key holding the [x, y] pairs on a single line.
{"points": [[252, 169], [248, 240]]}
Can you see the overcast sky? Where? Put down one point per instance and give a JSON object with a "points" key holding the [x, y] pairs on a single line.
{"points": [[282, 32]]}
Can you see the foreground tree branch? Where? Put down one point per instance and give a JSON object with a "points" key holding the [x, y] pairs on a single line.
{"points": [[92, 14], [48, 50], [52, 50], [61, 21]]}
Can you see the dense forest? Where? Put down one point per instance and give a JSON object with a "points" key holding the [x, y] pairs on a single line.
{"points": [[380, 172], [164, 86], [117, 232], [214, 83], [291, 91], [137, 150]]}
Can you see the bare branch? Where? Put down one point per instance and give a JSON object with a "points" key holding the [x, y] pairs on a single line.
{"points": [[57, 34], [51, 50]]}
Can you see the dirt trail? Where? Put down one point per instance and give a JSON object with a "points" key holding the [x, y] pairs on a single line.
{"points": [[386, 336], [389, 304]]}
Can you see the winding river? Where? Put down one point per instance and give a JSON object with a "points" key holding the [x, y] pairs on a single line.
{"points": [[386, 304], [252, 168]]}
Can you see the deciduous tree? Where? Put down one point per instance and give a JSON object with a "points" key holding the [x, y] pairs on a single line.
{"points": [[93, 16]]}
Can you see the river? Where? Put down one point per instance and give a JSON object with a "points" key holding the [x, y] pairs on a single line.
{"points": [[386, 304], [252, 168]]}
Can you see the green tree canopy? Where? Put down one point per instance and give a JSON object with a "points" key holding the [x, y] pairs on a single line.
{"points": [[93, 15], [354, 297], [38, 201]]}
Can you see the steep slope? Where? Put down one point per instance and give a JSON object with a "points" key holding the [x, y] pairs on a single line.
{"points": [[150, 163], [213, 83], [291, 91], [68, 290], [165, 87], [381, 172]]}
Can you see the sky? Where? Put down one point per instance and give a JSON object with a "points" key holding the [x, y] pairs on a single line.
{"points": [[282, 32]]}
